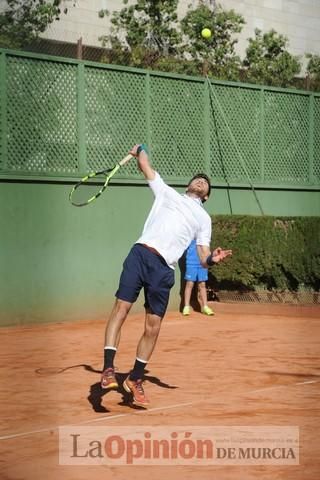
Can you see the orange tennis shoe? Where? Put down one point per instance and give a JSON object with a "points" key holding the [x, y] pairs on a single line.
{"points": [[136, 388], [108, 379]]}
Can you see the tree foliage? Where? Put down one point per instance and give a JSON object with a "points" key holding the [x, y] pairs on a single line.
{"points": [[144, 32], [149, 34], [268, 62], [22, 21], [216, 54], [313, 71], [313, 67]]}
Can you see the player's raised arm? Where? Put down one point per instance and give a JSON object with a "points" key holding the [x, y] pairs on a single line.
{"points": [[143, 162]]}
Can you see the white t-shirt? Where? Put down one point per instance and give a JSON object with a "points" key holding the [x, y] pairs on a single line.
{"points": [[174, 221]]}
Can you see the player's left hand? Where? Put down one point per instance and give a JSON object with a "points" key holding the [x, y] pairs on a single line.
{"points": [[219, 254]]}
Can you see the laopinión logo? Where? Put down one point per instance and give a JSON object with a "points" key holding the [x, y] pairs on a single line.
{"points": [[179, 445]]}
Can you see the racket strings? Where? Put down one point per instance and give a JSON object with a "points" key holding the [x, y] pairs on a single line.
{"points": [[91, 187], [87, 190]]}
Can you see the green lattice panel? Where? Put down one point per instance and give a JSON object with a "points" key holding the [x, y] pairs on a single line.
{"points": [[42, 126], [316, 145], [177, 127], [1, 117], [286, 138], [235, 126], [115, 106]]}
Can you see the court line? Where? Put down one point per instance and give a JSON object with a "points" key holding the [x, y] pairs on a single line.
{"points": [[281, 386], [155, 409], [309, 381], [100, 419]]}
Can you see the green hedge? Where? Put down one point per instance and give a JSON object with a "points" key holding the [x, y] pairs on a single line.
{"points": [[273, 253]]}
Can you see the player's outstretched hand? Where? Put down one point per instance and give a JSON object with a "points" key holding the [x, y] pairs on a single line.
{"points": [[219, 254]]}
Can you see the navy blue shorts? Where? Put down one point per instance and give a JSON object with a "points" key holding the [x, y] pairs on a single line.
{"points": [[145, 269]]}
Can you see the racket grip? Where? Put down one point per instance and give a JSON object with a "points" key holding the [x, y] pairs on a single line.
{"points": [[125, 160], [142, 147]]}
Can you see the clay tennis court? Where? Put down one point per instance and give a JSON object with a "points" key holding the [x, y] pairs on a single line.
{"points": [[253, 365]]}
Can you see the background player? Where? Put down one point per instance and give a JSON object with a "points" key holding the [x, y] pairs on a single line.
{"points": [[195, 272]]}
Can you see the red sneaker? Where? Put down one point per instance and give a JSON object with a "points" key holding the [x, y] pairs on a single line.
{"points": [[108, 379], [136, 388]]}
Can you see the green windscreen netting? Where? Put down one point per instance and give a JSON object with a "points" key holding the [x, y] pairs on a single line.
{"points": [[62, 118], [41, 116], [315, 166]]}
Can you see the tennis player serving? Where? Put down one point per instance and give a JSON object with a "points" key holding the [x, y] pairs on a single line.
{"points": [[173, 222]]}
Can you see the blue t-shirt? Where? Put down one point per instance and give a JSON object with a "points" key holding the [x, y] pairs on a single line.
{"points": [[192, 257]]}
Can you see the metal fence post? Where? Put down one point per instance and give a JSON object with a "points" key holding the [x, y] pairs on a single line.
{"points": [[81, 118], [206, 125], [262, 134], [311, 137], [148, 112], [3, 110]]}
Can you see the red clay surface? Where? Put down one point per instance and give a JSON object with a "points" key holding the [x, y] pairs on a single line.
{"points": [[249, 365]]}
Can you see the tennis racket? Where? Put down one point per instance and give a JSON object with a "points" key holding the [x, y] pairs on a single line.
{"points": [[89, 188]]}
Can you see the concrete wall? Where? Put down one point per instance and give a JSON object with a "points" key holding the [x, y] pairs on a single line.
{"points": [[61, 263], [299, 20]]}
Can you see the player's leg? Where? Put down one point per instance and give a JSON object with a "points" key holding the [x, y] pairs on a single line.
{"points": [[158, 281], [190, 278], [187, 296], [150, 335], [202, 275], [202, 294], [145, 348], [203, 299], [117, 317], [127, 293]]}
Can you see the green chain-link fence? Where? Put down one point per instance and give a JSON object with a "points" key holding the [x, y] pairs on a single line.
{"points": [[60, 118]]}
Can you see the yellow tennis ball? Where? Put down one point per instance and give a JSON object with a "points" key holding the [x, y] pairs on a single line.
{"points": [[206, 33]]}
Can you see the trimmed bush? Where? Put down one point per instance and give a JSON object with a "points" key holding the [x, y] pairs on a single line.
{"points": [[273, 253]]}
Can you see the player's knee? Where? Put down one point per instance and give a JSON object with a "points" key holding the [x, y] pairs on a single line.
{"points": [[122, 307], [152, 328]]}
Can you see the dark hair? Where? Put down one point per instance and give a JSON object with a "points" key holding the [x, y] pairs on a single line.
{"points": [[206, 178]]}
